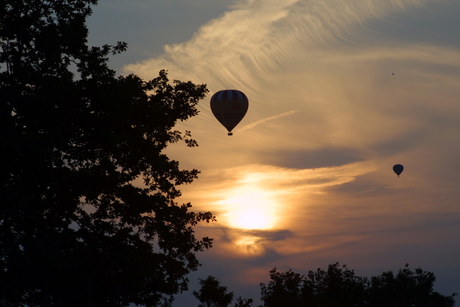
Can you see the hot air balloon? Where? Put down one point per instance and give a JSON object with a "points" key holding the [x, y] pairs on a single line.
{"points": [[398, 169], [229, 107]]}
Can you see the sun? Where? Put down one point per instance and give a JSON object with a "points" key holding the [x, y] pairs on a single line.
{"points": [[249, 208], [252, 218]]}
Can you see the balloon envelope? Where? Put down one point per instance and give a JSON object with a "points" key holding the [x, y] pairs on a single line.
{"points": [[229, 107], [398, 169]]}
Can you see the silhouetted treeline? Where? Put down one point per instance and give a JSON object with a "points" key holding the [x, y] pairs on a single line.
{"points": [[337, 286]]}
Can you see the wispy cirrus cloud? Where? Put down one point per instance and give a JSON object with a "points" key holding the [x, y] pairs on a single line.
{"points": [[322, 58], [252, 125]]}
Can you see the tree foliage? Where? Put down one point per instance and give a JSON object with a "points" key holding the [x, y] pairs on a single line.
{"points": [[407, 288], [212, 294], [338, 286], [243, 302], [88, 215], [283, 288]]}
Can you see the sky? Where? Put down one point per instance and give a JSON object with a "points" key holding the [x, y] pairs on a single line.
{"points": [[339, 92]]}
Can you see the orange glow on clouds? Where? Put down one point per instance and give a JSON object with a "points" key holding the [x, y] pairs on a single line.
{"points": [[256, 201]]}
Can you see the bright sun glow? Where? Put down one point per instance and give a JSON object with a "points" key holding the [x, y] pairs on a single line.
{"points": [[250, 208]]}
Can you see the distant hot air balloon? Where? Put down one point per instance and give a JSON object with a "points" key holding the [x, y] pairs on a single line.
{"points": [[229, 107], [398, 169]]}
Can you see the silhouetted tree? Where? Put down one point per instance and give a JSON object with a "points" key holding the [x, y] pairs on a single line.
{"points": [[243, 302], [284, 289], [87, 202], [212, 294], [339, 286], [407, 288]]}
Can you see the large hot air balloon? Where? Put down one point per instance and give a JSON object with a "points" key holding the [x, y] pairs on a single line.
{"points": [[229, 107], [398, 169]]}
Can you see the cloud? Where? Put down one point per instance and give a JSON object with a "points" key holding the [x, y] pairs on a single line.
{"points": [[267, 198], [322, 59], [329, 62], [256, 38], [252, 125]]}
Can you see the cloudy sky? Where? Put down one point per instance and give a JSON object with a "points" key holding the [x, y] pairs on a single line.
{"points": [[339, 92]]}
